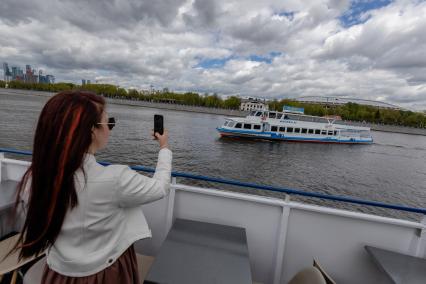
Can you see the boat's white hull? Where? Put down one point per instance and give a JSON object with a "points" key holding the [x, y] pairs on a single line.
{"points": [[286, 129], [291, 138]]}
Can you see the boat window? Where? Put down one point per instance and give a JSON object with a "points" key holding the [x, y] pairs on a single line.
{"points": [[290, 129], [304, 130], [225, 124], [317, 131], [297, 130], [286, 117], [323, 132], [252, 113], [282, 129], [272, 115], [279, 115], [330, 132], [365, 133], [247, 126], [310, 131], [238, 125], [274, 128], [335, 133], [259, 113], [256, 126], [231, 124]]}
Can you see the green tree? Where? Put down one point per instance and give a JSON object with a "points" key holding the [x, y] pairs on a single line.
{"points": [[377, 116], [192, 99], [213, 101], [232, 102]]}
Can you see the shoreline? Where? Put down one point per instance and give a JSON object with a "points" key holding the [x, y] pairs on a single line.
{"points": [[215, 111], [136, 103]]}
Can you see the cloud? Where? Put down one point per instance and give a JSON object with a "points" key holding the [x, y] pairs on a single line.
{"points": [[268, 48], [204, 14], [92, 16]]}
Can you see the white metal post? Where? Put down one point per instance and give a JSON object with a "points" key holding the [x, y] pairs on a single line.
{"points": [[421, 245], [281, 242], [1, 160]]}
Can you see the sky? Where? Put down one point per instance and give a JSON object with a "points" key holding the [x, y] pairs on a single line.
{"points": [[363, 49]]}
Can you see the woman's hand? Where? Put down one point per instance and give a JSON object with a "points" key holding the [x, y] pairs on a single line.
{"points": [[163, 140]]}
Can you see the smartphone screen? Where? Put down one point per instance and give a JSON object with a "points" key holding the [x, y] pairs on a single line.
{"points": [[158, 124]]}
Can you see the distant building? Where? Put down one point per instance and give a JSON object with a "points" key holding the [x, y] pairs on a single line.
{"points": [[17, 74], [335, 101], [41, 78], [253, 104], [30, 75], [50, 79], [14, 71], [83, 82], [6, 72]]}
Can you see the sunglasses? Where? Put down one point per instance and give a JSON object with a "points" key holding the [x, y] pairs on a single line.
{"points": [[110, 123]]}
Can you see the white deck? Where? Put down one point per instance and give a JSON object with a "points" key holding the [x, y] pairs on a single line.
{"points": [[283, 236]]}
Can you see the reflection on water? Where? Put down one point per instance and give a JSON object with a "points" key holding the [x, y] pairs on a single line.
{"points": [[391, 170]]}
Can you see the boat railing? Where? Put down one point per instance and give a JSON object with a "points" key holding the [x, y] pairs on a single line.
{"points": [[285, 190]]}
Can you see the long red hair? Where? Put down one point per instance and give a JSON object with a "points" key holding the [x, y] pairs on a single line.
{"points": [[62, 137]]}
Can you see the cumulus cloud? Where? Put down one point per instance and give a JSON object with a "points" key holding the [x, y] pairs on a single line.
{"points": [[271, 49]]}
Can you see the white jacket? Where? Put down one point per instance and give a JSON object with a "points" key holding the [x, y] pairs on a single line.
{"points": [[108, 218]]}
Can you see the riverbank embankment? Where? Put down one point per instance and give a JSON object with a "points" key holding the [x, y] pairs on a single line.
{"points": [[216, 111], [137, 103]]}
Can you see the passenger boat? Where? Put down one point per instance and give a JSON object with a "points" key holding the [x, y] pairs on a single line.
{"points": [[293, 125], [283, 236]]}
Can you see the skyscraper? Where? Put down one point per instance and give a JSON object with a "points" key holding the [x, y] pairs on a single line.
{"points": [[50, 79], [14, 72], [6, 72], [29, 75]]}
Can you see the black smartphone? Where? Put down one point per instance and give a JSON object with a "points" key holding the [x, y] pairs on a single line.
{"points": [[158, 124]]}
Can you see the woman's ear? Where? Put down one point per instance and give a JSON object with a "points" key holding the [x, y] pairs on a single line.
{"points": [[94, 143], [93, 133]]}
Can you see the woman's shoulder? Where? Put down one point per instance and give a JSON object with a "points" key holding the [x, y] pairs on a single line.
{"points": [[98, 172], [120, 171]]}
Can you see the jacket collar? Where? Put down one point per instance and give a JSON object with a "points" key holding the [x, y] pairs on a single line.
{"points": [[89, 158]]}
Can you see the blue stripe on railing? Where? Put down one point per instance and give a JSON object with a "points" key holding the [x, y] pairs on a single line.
{"points": [[263, 187], [11, 151]]}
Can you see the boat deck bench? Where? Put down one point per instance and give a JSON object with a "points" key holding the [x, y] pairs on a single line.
{"points": [[7, 194], [400, 268], [199, 252], [7, 201]]}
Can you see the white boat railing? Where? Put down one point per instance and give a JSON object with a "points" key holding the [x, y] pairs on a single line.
{"points": [[283, 236]]}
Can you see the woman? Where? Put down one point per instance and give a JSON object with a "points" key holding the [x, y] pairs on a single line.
{"points": [[84, 215]]}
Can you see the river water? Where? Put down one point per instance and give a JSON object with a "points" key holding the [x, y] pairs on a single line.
{"points": [[392, 170]]}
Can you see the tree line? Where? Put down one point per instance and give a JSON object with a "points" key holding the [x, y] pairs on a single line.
{"points": [[349, 111], [112, 91], [357, 112]]}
